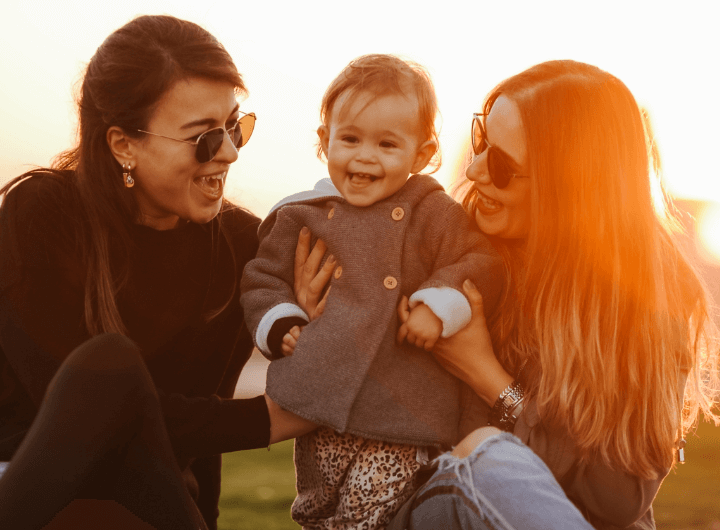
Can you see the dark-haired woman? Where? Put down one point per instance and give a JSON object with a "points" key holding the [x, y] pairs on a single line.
{"points": [[120, 335]]}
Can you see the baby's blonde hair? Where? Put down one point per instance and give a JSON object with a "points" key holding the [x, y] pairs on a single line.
{"points": [[382, 74]]}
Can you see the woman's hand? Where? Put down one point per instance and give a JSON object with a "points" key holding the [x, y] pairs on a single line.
{"points": [[309, 281], [468, 354], [285, 425]]}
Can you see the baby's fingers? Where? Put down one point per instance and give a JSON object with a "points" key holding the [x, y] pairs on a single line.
{"points": [[287, 348], [429, 344], [402, 333], [412, 338], [403, 310], [294, 333]]}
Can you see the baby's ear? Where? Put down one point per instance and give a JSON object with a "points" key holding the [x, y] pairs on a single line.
{"points": [[425, 152], [324, 134]]}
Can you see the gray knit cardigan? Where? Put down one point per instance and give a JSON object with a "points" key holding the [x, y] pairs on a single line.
{"points": [[347, 371]]}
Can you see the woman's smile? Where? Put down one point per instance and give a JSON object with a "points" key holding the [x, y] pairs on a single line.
{"points": [[211, 186], [486, 205]]}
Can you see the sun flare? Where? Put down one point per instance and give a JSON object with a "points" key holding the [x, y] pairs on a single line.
{"points": [[709, 232]]}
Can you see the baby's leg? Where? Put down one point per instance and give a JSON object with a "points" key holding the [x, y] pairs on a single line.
{"points": [[378, 483], [346, 481]]}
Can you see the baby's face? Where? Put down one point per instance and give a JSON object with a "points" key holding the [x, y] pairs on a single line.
{"points": [[372, 145]]}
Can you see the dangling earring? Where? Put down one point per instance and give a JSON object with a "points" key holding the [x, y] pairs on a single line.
{"points": [[127, 177]]}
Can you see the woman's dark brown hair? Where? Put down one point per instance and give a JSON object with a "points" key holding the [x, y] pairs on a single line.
{"points": [[123, 83]]}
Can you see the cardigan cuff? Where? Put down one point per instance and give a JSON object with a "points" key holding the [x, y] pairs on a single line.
{"points": [[283, 310], [448, 304]]}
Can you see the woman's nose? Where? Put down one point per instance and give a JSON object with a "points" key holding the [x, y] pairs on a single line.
{"points": [[477, 171], [228, 153]]}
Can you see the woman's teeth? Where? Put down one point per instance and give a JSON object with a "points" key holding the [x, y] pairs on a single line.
{"points": [[489, 203], [212, 183]]}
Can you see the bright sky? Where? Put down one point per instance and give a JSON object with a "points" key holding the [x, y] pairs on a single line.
{"points": [[289, 51]]}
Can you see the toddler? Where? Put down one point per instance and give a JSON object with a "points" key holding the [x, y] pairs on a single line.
{"points": [[380, 405]]}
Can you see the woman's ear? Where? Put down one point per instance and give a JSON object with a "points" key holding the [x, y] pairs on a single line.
{"points": [[120, 145], [324, 135], [424, 153]]}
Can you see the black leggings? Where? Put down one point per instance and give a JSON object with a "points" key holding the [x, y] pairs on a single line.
{"points": [[99, 434]]}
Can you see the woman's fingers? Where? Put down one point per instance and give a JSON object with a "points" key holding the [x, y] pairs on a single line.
{"points": [[475, 298], [307, 262], [310, 278], [321, 305], [302, 251], [319, 280], [312, 264]]}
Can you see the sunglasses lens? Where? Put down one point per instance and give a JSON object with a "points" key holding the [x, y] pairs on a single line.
{"points": [[499, 171], [209, 144], [478, 136], [244, 129]]}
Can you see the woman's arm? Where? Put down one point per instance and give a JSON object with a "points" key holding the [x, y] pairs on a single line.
{"points": [[468, 354], [310, 280], [285, 425], [41, 322], [605, 494]]}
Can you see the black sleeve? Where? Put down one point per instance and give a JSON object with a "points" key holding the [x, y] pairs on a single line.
{"points": [[41, 319], [41, 284]]}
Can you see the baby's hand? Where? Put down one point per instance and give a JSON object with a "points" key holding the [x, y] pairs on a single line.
{"points": [[290, 340], [422, 328]]}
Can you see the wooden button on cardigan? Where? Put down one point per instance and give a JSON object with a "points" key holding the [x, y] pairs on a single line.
{"points": [[347, 372]]}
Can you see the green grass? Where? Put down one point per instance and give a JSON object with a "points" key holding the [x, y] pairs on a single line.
{"points": [[258, 488], [690, 495]]}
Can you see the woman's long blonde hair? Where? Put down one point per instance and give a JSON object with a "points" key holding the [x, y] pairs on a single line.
{"points": [[602, 297]]}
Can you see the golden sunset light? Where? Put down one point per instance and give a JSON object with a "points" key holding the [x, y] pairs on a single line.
{"points": [[288, 52], [709, 232], [492, 301]]}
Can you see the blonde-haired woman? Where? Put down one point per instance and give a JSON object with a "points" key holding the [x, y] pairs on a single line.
{"points": [[603, 350], [603, 353]]}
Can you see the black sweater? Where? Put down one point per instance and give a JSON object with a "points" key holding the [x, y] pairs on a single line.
{"points": [[176, 277]]}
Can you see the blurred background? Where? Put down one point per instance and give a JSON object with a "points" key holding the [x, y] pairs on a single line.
{"points": [[288, 52]]}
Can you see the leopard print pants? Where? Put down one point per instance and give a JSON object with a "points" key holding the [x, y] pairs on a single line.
{"points": [[347, 482]]}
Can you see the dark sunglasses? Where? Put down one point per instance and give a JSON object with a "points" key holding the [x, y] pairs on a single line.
{"points": [[499, 168], [209, 143]]}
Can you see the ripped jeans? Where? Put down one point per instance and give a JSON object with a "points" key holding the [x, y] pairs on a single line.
{"points": [[501, 485]]}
